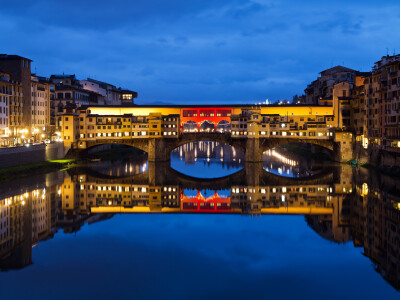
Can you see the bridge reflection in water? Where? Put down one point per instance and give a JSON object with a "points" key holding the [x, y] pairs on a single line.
{"points": [[340, 205]]}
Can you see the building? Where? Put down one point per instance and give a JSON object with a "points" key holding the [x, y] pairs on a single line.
{"points": [[367, 103], [11, 105], [383, 92]]}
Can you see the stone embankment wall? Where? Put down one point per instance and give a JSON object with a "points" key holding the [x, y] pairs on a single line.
{"points": [[377, 156], [16, 156]]}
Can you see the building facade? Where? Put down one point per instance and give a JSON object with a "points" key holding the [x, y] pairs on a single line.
{"points": [[40, 93], [19, 69], [5, 95]]}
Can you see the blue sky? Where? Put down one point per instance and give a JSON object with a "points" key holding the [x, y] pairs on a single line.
{"points": [[179, 51]]}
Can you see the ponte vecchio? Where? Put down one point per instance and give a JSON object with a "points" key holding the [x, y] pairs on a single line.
{"points": [[158, 130]]}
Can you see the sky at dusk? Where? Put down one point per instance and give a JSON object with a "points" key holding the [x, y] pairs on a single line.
{"points": [[180, 51]]}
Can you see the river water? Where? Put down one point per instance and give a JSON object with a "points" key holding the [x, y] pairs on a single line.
{"points": [[205, 225]]}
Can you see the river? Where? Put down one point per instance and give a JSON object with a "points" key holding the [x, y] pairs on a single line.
{"points": [[206, 224]]}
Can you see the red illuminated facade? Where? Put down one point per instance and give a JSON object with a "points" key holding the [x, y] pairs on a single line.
{"points": [[214, 115]]}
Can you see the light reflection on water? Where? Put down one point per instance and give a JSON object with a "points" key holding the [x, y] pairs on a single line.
{"points": [[212, 160], [121, 168], [277, 162]]}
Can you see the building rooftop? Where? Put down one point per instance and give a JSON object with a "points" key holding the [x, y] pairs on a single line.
{"points": [[101, 83], [336, 70], [12, 57], [207, 106], [62, 76], [63, 87]]}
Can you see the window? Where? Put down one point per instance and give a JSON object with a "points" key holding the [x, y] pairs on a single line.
{"points": [[126, 96]]}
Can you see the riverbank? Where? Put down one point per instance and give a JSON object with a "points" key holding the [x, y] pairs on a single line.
{"points": [[37, 168]]}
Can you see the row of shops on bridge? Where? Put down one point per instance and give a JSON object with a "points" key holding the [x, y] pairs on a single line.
{"points": [[90, 124]]}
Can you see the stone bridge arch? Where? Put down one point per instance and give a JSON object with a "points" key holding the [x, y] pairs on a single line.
{"points": [[172, 144], [78, 151], [269, 143], [159, 149]]}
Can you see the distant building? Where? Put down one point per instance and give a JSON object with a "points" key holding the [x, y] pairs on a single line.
{"points": [[109, 92], [40, 93], [5, 98], [69, 91], [112, 95]]}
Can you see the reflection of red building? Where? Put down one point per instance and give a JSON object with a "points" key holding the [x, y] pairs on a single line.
{"points": [[212, 114], [208, 205]]}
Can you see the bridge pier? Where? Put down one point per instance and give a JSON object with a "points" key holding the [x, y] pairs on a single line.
{"points": [[253, 173], [253, 152], [157, 150], [343, 151]]}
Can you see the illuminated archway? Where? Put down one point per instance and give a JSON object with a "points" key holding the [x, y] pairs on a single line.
{"points": [[224, 126], [207, 126], [190, 126]]}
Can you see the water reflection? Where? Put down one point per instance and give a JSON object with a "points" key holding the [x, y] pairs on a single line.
{"points": [[347, 206], [198, 158], [341, 205], [283, 163], [120, 168]]}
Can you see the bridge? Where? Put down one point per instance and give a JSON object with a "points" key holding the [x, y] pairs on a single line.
{"points": [[158, 130]]}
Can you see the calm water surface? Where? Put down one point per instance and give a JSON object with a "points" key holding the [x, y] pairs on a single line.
{"points": [[131, 229]]}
